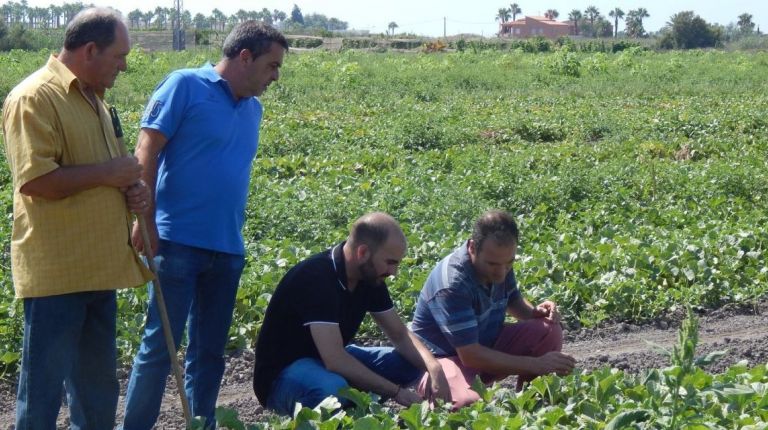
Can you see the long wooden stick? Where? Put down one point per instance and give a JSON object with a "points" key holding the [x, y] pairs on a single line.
{"points": [[169, 343], [158, 290]]}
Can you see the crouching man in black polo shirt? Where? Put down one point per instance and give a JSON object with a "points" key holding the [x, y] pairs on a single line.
{"points": [[303, 353]]}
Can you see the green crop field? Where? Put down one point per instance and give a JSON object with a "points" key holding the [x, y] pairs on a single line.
{"points": [[638, 179]]}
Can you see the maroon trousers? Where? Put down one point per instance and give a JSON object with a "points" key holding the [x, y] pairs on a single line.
{"points": [[531, 338]]}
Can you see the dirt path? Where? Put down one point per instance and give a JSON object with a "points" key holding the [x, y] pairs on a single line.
{"points": [[739, 330]]}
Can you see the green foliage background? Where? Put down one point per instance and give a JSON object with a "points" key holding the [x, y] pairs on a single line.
{"points": [[638, 178]]}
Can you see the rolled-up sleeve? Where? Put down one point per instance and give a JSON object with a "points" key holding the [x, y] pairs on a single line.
{"points": [[32, 143]]}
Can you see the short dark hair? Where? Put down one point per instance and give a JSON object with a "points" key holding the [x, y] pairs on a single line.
{"points": [[98, 25], [254, 36], [496, 225]]}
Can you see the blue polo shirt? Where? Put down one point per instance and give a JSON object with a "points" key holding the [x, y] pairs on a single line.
{"points": [[454, 309], [205, 167]]}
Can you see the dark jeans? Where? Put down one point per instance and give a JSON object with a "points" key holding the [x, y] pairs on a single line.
{"points": [[199, 287], [308, 382], [68, 339]]}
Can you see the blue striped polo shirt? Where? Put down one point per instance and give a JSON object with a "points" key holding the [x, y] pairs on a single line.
{"points": [[454, 309]]}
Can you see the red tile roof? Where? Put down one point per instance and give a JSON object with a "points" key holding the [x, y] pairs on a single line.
{"points": [[542, 19]]}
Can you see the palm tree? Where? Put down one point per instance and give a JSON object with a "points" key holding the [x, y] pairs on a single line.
{"points": [[160, 17], [242, 15], [514, 9], [635, 22], [44, 15], [5, 14], [266, 16], [55, 14], [71, 9], [18, 13], [218, 17], [232, 20], [186, 19], [25, 12], [617, 14], [33, 13], [200, 21], [592, 13], [575, 16], [134, 18], [503, 15], [31, 17], [392, 26], [279, 16], [147, 17], [641, 13], [551, 14]]}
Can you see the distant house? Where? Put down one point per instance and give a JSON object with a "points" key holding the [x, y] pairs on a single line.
{"points": [[532, 26]]}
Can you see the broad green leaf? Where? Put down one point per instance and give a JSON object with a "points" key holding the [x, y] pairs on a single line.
{"points": [[412, 416], [368, 423], [624, 419], [228, 419]]}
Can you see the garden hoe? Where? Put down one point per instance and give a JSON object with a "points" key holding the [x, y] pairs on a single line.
{"points": [[158, 292]]}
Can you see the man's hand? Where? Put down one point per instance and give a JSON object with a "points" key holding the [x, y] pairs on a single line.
{"points": [[122, 172], [437, 384], [548, 310], [555, 362], [138, 241], [137, 198], [406, 397]]}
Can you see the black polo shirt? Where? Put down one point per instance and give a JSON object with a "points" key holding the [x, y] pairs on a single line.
{"points": [[312, 291]]}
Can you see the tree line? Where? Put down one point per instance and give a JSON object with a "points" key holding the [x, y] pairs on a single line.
{"points": [[589, 22], [20, 14], [684, 29]]}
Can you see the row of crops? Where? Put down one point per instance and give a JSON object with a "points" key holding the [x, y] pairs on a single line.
{"points": [[680, 396]]}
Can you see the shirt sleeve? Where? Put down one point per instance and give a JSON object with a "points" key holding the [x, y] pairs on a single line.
{"points": [[166, 108], [453, 312], [381, 301], [33, 143]]}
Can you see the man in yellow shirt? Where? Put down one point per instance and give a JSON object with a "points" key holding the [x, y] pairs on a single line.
{"points": [[73, 187]]}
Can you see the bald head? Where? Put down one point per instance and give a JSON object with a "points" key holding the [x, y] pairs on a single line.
{"points": [[374, 230], [375, 247]]}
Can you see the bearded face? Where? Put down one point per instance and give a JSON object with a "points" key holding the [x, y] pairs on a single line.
{"points": [[369, 274]]}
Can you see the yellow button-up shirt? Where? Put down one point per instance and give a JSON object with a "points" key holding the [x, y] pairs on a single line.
{"points": [[82, 242]]}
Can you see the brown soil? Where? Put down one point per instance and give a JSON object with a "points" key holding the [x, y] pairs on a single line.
{"points": [[632, 348]]}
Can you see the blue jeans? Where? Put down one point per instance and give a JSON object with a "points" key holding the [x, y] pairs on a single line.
{"points": [[308, 382], [199, 287], [69, 339]]}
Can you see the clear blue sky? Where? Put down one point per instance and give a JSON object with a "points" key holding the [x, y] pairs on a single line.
{"points": [[425, 17]]}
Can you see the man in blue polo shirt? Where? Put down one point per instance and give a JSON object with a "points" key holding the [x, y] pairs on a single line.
{"points": [[461, 310], [199, 135]]}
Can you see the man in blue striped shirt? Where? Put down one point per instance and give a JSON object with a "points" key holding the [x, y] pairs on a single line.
{"points": [[461, 310]]}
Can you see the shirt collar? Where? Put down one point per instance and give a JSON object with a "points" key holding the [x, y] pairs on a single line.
{"points": [[211, 74], [64, 76], [470, 268], [339, 265]]}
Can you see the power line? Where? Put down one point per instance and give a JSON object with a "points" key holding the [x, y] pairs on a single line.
{"points": [[471, 23]]}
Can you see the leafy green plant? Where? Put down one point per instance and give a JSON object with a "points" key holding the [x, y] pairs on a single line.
{"points": [[615, 226]]}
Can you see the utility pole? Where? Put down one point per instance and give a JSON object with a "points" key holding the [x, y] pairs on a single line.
{"points": [[444, 36], [179, 36]]}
